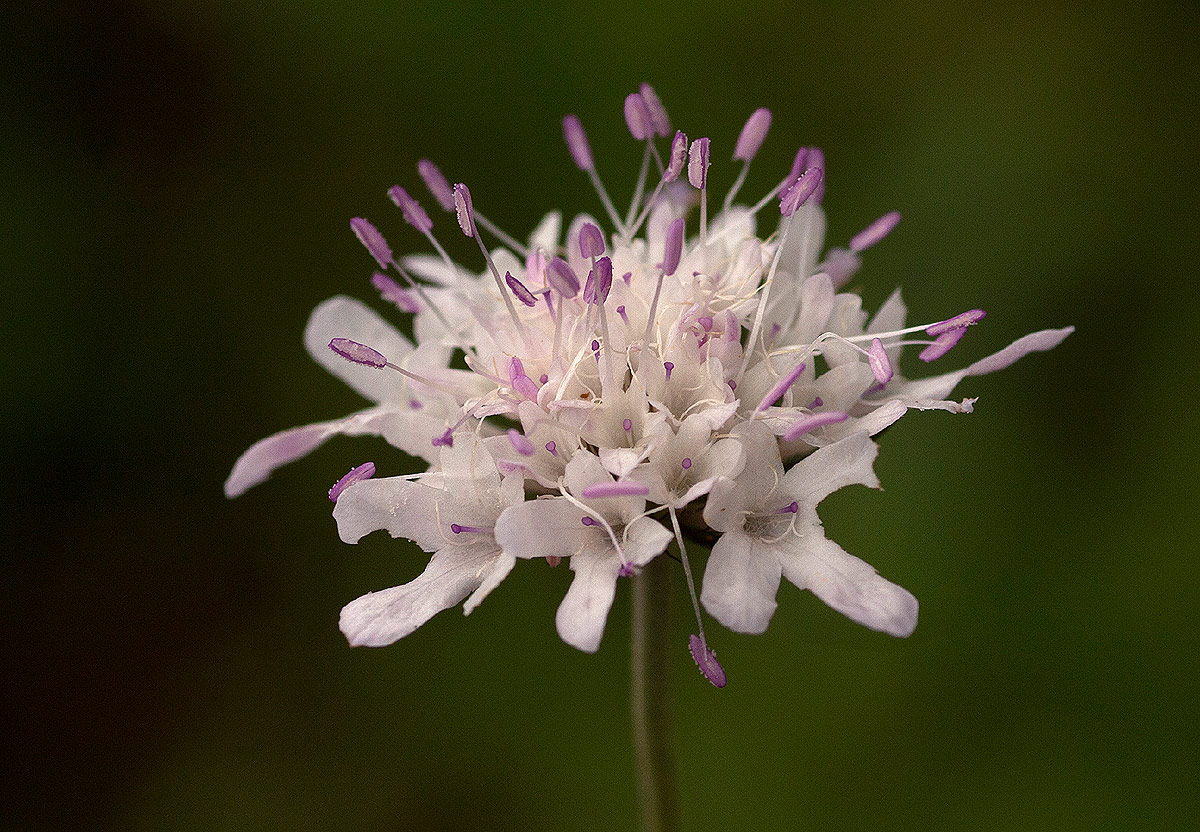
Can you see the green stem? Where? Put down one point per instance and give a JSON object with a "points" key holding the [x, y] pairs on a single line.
{"points": [[650, 698]]}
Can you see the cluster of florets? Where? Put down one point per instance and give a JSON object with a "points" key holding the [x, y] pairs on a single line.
{"points": [[625, 390]]}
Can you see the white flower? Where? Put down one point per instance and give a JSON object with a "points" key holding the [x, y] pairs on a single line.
{"points": [[618, 376]]}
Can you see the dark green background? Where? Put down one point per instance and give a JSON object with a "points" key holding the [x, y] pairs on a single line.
{"points": [[177, 180]]}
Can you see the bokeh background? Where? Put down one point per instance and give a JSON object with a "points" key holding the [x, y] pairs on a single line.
{"points": [[176, 183]]}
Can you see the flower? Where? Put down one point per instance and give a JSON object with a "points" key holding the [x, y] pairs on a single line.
{"points": [[620, 377]]}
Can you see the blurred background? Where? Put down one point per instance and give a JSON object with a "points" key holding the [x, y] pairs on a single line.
{"points": [[177, 179]]}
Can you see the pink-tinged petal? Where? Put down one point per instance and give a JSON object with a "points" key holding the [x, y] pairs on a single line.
{"points": [[849, 461], [849, 585], [1047, 339], [381, 618], [545, 528], [405, 508], [264, 456], [740, 583], [584, 610], [344, 317]]}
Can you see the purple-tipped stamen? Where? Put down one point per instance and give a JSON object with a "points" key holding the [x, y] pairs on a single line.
{"points": [[604, 278], [798, 166], [518, 288], [971, 316], [621, 312], [591, 241], [706, 322], [673, 247], [874, 232], [706, 660], [589, 287], [358, 353], [658, 113], [776, 393], [800, 191], [626, 570], [577, 143], [370, 237], [562, 278], [552, 448], [520, 443], [627, 425], [752, 135], [413, 213], [637, 117], [393, 292], [679, 148], [944, 343], [464, 210], [698, 163], [881, 365], [686, 464], [813, 421], [357, 474], [457, 529], [620, 488], [668, 366], [791, 508], [588, 521], [437, 184]]}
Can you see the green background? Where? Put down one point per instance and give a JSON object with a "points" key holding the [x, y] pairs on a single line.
{"points": [[176, 183]]}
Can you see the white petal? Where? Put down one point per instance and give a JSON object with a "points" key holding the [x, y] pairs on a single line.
{"points": [[265, 455], [406, 508], [545, 236], [848, 461], [492, 577], [584, 610], [889, 318], [849, 585], [816, 305], [645, 539], [380, 618], [550, 527], [344, 317], [740, 583]]}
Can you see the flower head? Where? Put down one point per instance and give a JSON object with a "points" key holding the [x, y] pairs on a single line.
{"points": [[619, 377]]}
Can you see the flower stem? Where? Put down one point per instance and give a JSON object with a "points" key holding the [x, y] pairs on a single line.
{"points": [[650, 698]]}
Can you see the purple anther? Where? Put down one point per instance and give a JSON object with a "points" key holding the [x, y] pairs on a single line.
{"points": [[595, 346], [800, 191], [588, 521], [874, 232], [543, 378], [414, 404], [668, 366], [732, 385], [776, 393], [967, 318], [791, 508], [358, 353], [392, 291], [626, 570], [515, 368], [604, 276], [445, 440], [752, 135], [562, 278], [673, 247], [679, 148], [357, 474], [706, 660], [437, 184], [816, 159], [944, 343], [577, 143], [414, 214], [589, 287], [881, 365], [658, 113], [370, 237], [591, 240], [620, 488], [813, 421], [524, 385], [462, 207], [628, 276], [621, 312], [698, 163], [457, 529], [798, 165], [518, 288], [706, 322], [637, 117], [627, 425], [552, 448], [687, 463], [520, 442], [817, 402]]}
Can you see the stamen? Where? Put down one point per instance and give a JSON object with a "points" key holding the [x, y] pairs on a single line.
{"points": [[588, 521], [392, 291], [466, 221], [817, 402], [965, 319], [814, 421], [658, 113], [800, 191], [698, 176], [562, 278], [621, 312], [748, 144], [776, 393], [462, 207], [552, 448], [358, 353], [620, 488], [637, 117], [687, 573], [706, 660], [457, 529], [414, 404], [446, 439], [591, 241], [668, 366], [413, 213], [944, 343], [520, 443], [686, 464], [874, 232], [679, 147], [357, 474], [627, 425], [881, 365], [625, 570], [791, 508], [437, 184], [370, 237], [672, 251], [518, 288], [706, 322], [604, 278], [581, 153], [544, 378]]}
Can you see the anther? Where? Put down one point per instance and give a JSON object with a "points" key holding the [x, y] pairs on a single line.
{"points": [[791, 508], [358, 353], [698, 164], [752, 135], [944, 343], [965, 319], [673, 247], [518, 288], [413, 213], [814, 421], [604, 278], [874, 232], [437, 184], [800, 191], [881, 365], [577, 143], [552, 448], [462, 207], [620, 488], [621, 312], [706, 660], [392, 291], [627, 425], [679, 147], [357, 474], [445, 440], [591, 241], [668, 366], [562, 278], [686, 464], [588, 521], [776, 393], [370, 237], [520, 443], [457, 529], [637, 117], [658, 113]]}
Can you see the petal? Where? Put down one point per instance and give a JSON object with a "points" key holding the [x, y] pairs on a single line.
{"points": [[406, 508], [550, 527], [848, 584], [740, 583], [645, 539], [584, 610], [492, 577], [545, 236], [848, 461], [344, 317], [381, 618], [264, 456]]}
